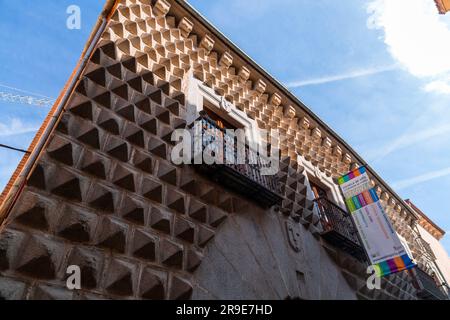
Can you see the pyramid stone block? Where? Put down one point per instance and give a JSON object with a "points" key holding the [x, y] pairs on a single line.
{"points": [[144, 105], [184, 230], [60, 149], [94, 164], [109, 122], [157, 147], [175, 200], [66, 185], [10, 245], [171, 254], [143, 161], [198, 211], [11, 289], [112, 235], [160, 220], [118, 149], [180, 289], [124, 178], [90, 263], [102, 199], [120, 278], [216, 216], [167, 172], [76, 225], [104, 100], [83, 110], [194, 259], [46, 292], [152, 190], [144, 245], [40, 258], [152, 285], [204, 235], [133, 211], [134, 135]]}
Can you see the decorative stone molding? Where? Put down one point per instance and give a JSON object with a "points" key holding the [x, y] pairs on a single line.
{"points": [[244, 73], [304, 123], [185, 27], [326, 142], [289, 111], [161, 7], [225, 105], [275, 99], [207, 43], [337, 151], [347, 158], [226, 60], [260, 86], [316, 133]]}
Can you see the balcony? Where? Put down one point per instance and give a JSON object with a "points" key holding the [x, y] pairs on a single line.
{"points": [[338, 229], [427, 288], [245, 179]]}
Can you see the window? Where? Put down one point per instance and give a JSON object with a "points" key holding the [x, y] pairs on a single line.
{"points": [[319, 190], [220, 120], [203, 98]]}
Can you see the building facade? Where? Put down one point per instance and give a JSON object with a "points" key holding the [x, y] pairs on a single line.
{"points": [[99, 189], [439, 265], [443, 6]]}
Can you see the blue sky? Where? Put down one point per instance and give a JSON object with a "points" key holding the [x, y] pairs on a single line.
{"points": [[376, 71]]}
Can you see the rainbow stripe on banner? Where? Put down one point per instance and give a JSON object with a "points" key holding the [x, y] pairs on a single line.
{"points": [[352, 174], [379, 239], [394, 265], [361, 200]]}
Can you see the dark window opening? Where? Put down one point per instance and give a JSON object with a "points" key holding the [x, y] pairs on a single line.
{"points": [[319, 190], [223, 121]]}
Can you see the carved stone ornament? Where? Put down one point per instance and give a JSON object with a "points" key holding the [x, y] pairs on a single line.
{"points": [[225, 104], [293, 235]]}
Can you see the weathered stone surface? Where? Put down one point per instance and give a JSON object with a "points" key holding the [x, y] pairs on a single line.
{"points": [[76, 225], [180, 289], [44, 292], [218, 277], [171, 254], [120, 277], [144, 245], [10, 245], [11, 289], [40, 258], [112, 234], [152, 285], [90, 263]]}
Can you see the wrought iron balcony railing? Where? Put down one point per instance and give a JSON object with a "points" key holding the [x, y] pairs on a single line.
{"points": [[243, 178], [427, 287], [338, 229]]}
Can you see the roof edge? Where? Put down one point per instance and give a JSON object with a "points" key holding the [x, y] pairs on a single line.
{"points": [[428, 219]]}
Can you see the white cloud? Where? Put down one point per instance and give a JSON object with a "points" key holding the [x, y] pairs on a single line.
{"points": [[417, 37], [16, 127], [439, 86], [406, 183], [409, 139], [349, 75]]}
